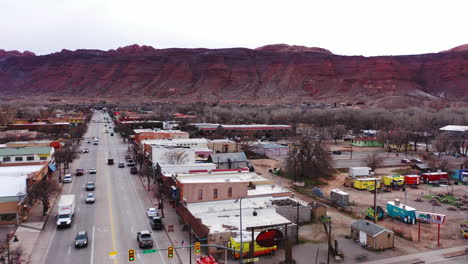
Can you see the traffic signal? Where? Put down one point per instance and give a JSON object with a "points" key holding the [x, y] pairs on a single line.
{"points": [[131, 255], [197, 247], [170, 252]]}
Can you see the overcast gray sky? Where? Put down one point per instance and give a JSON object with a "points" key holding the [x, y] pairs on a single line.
{"points": [[349, 27]]}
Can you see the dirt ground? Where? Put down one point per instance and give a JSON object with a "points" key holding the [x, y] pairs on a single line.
{"points": [[407, 235]]}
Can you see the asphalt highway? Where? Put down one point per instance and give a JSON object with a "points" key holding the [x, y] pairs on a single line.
{"points": [[117, 214]]}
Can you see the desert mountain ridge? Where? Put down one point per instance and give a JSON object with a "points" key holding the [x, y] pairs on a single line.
{"points": [[277, 73]]}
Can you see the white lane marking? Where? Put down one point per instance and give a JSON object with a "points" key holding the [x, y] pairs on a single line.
{"points": [[48, 246], [69, 249], [92, 247], [74, 227]]}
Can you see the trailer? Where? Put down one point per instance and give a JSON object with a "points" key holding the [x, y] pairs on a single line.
{"points": [[404, 213], [366, 183], [338, 195], [434, 177], [412, 179], [357, 172], [395, 180], [461, 175]]}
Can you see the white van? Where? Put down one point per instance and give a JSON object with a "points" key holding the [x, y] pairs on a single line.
{"points": [[67, 178]]}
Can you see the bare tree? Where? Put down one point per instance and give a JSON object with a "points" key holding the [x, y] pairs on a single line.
{"points": [[65, 155], [176, 157], [439, 164], [373, 160], [42, 191], [309, 158], [337, 132]]}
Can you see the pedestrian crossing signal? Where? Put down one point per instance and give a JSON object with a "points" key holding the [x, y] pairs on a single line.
{"points": [[197, 247], [170, 252], [131, 255]]}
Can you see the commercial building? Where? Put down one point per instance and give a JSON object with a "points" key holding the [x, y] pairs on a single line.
{"points": [[17, 155], [270, 149], [229, 160]]}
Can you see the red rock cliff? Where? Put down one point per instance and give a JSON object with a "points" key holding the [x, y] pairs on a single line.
{"points": [[272, 73]]}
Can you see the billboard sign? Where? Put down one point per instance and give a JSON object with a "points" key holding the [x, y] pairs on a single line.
{"points": [[430, 217]]}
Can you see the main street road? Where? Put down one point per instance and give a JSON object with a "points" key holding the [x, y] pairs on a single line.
{"points": [[113, 220]]}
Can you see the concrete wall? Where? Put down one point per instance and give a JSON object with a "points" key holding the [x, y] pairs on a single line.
{"points": [[189, 191], [290, 212]]}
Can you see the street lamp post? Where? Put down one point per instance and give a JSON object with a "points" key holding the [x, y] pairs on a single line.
{"points": [[240, 229]]}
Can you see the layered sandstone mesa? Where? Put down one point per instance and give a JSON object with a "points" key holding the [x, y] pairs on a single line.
{"points": [[274, 73]]}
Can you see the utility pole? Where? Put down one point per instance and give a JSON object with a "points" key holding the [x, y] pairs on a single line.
{"points": [[297, 224], [329, 241], [375, 201], [190, 243]]}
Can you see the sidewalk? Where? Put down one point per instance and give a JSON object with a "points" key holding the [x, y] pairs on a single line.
{"points": [[28, 231], [171, 218]]}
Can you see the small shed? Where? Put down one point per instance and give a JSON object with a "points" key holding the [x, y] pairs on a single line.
{"points": [[372, 235], [317, 210], [229, 160], [422, 167]]}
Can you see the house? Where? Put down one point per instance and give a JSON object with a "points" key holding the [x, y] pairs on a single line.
{"points": [[270, 149], [372, 235], [367, 142], [223, 146], [229, 160], [26, 155]]}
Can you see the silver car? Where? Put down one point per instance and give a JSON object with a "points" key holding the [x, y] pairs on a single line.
{"points": [[90, 198]]}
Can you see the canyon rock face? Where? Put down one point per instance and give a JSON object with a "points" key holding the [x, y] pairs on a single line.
{"points": [[270, 74]]}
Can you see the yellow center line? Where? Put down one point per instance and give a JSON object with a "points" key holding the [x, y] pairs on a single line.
{"points": [[111, 213]]}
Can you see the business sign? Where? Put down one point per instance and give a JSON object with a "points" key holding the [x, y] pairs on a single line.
{"points": [[269, 238], [430, 217]]}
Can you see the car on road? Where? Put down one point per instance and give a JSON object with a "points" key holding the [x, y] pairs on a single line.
{"points": [[81, 239], [67, 178], [90, 186], [79, 172], [151, 212], [127, 157], [85, 150], [337, 152], [416, 160], [144, 239], [92, 171], [121, 165], [133, 170], [156, 223], [89, 141], [90, 198], [405, 161], [107, 132], [112, 134], [130, 163]]}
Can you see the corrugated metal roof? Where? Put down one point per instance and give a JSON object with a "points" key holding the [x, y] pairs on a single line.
{"points": [[24, 151], [369, 227], [224, 157]]}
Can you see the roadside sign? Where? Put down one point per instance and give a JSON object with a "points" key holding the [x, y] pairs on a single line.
{"points": [[430, 217], [147, 251], [113, 253], [251, 260]]}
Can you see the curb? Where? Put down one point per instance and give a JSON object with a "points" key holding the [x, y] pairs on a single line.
{"points": [[165, 229]]}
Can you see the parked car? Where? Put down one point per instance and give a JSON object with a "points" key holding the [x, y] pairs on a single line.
{"points": [[81, 239], [151, 212], [127, 157], [79, 172], [133, 170], [156, 223], [337, 152], [130, 163], [416, 161], [67, 178], [90, 198], [112, 134], [121, 165], [90, 186], [92, 171], [405, 161]]}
